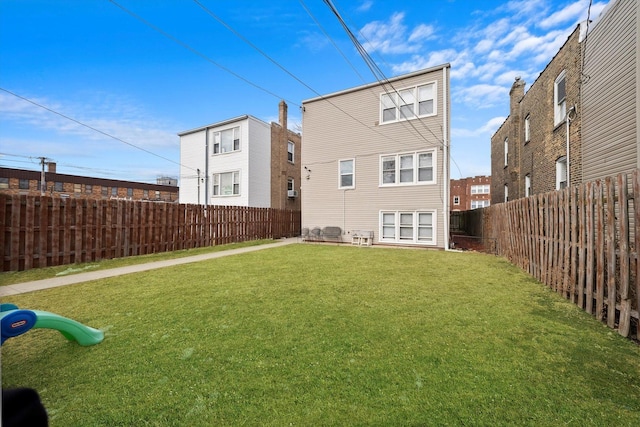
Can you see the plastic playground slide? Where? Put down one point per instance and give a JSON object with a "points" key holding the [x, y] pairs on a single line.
{"points": [[15, 321]]}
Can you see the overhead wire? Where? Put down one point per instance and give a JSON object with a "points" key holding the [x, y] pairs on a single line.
{"points": [[383, 79], [197, 52], [244, 39], [92, 128]]}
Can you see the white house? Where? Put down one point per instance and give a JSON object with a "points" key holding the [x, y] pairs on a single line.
{"points": [[227, 163]]}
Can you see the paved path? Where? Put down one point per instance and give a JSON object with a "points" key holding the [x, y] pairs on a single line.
{"points": [[54, 282]]}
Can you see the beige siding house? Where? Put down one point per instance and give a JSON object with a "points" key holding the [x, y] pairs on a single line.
{"points": [[610, 103], [376, 162]]}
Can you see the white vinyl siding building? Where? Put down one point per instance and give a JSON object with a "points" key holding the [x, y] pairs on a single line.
{"points": [[227, 163], [368, 169]]}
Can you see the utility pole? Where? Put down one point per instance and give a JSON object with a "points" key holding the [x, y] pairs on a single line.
{"points": [[43, 183]]}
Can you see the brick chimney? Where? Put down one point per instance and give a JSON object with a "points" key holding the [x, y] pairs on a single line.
{"points": [[51, 167], [282, 115], [516, 94]]}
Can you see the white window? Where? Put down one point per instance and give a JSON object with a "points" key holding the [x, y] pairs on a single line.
{"points": [[456, 200], [506, 193], [506, 150], [416, 227], [560, 98], [226, 184], [527, 128], [475, 204], [480, 189], [346, 178], [290, 151], [226, 141], [561, 173], [527, 185], [290, 185], [407, 168], [409, 103]]}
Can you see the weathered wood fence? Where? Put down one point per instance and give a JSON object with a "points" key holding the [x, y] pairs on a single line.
{"points": [[44, 231], [582, 242]]}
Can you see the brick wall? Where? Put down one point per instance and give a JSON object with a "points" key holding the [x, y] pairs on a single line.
{"points": [[281, 168], [537, 157], [461, 188]]}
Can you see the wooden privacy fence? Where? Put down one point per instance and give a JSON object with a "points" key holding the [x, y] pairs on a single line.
{"points": [[40, 231], [582, 242]]}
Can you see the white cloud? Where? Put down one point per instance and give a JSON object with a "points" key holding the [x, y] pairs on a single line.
{"points": [[365, 6], [569, 13], [106, 114], [488, 128], [393, 37], [482, 95]]}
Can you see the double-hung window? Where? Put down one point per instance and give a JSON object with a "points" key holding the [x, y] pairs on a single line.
{"points": [[560, 98], [475, 204], [480, 189], [408, 103], [226, 184], [527, 128], [407, 168], [561, 173], [415, 227], [527, 185], [346, 174], [290, 151], [226, 141], [506, 151]]}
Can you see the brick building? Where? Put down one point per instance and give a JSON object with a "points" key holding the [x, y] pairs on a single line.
{"points": [[21, 181], [539, 145], [470, 193], [285, 163]]}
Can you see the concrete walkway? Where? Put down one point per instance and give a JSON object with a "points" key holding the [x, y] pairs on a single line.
{"points": [[54, 282]]}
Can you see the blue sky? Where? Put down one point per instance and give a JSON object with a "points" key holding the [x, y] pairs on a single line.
{"points": [[135, 82]]}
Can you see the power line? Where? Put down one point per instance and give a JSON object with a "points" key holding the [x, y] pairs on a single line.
{"points": [[197, 52], [92, 128]]}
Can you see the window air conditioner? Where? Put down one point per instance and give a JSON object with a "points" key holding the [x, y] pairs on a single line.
{"points": [[292, 193]]}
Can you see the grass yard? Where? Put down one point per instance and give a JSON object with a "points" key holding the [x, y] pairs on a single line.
{"points": [[12, 277], [327, 335]]}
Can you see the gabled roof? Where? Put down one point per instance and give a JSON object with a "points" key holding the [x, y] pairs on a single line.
{"points": [[222, 123]]}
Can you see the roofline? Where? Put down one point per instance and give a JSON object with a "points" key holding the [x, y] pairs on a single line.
{"points": [[222, 123], [370, 85]]}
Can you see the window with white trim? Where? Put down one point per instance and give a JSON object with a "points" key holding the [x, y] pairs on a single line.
{"points": [[408, 168], [560, 98], [506, 150], [506, 193], [290, 184], [456, 200], [226, 141], [527, 128], [226, 184], [480, 189], [561, 173], [475, 204], [290, 151], [416, 227], [408, 103], [346, 171], [527, 185]]}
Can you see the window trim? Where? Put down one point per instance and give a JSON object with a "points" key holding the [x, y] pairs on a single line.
{"points": [[559, 105], [234, 183], [396, 101], [506, 193], [506, 152], [291, 151], [527, 128], [456, 200], [216, 146], [353, 174], [483, 204], [481, 189], [415, 227], [527, 185], [561, 166], [415, 168]]}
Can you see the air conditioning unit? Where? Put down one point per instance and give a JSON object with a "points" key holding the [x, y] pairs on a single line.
{"points": [[292, 193]]}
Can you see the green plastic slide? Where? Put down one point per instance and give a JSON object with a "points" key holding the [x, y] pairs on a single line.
{"points": [[72, 330]]}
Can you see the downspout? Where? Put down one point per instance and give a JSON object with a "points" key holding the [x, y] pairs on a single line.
{"points": [[206, 167], [573, 109], [445, 158]]}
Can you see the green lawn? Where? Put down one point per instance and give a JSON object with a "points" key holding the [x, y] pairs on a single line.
{"points": [[12, 277], [327, 335]]}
